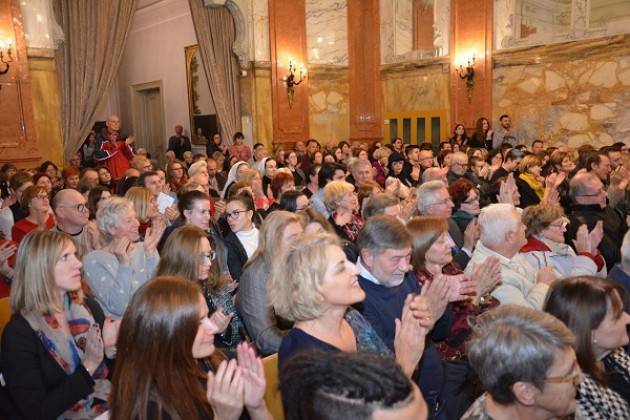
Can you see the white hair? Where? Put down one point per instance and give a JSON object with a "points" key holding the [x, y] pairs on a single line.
{"points": [[625, 251], [495, 221], [427, 193]]}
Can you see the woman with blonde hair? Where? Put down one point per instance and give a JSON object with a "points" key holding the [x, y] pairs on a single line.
{"points": [[164, 370], [318, 295], [251, 301], [145, 205], [530, 182], [55, 345], [123, 264], [254, 180], [188, 253], [343, 204]]}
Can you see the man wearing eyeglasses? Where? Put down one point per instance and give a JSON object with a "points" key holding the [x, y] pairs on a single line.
{"points": [[72, 215], [589, 206], [459, 168]]}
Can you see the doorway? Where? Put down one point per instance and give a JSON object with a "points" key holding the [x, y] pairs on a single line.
{"points": [[148, 119]]}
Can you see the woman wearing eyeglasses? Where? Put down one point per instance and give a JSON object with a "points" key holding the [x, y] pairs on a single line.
{"points": [[546, 225], [465, 197], [593, 309], [188, 253], [176, 175], [36, 203], [242, 240]]}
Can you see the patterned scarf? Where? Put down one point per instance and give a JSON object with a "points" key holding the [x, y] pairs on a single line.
{"points": [[68, 353], [597, 402], [352, 228]]}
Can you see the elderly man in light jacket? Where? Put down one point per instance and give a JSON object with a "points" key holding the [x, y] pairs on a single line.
{"points": [[503, 235]]}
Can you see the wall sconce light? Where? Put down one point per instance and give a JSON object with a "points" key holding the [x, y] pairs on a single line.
{"points": [[291, 82], [468, 74], [9, 58]]}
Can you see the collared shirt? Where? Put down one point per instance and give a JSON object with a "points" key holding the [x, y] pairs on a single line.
{"points": [[365, 273]]}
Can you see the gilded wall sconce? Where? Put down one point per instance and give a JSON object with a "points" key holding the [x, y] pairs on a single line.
{"points": [[291, 81], [468, 74], [9, 58]]}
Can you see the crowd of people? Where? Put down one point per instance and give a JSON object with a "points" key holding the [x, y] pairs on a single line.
{"points": [[485, 279]]}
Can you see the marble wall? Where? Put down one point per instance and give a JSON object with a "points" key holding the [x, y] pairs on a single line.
{"points": [[260, 30], [328, 103], [577, 101], [327, 31], [410, 88]]}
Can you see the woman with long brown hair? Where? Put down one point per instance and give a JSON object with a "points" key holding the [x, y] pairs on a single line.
{"points": [[164, 344], [593, 309], [176, 175], [482, 137], [432, 261], [188, 253]]}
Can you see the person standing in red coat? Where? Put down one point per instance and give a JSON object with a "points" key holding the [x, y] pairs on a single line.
{"points": [[113, 150]]}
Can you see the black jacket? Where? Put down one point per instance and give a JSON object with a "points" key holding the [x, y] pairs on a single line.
{"points": [[614, 229], [457, 235], [527, 193], [236, 255], [37, 385]]}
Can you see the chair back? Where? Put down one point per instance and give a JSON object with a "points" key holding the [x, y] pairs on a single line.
{"points": [[272, 393]]}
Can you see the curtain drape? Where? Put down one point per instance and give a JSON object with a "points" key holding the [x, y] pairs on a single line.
{"points": [[95, 32], [214, 27]]}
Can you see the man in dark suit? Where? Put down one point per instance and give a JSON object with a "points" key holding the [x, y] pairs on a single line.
{"points": [[179, 143]]}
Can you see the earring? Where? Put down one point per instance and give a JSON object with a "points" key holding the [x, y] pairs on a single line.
{"points": [[594, 341]]}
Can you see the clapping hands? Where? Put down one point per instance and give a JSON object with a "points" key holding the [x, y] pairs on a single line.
{"points": [[508, 191], [487, 275], [410, 336], [236, 384], [153, 235], [586, 241]]}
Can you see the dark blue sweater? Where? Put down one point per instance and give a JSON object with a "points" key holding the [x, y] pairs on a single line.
{"points": [[383, 305]]}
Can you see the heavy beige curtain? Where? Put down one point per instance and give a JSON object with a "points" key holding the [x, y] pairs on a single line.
{"points": [[215, 31], [95, 32]]}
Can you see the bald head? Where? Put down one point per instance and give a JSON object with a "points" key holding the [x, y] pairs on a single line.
{"points": [[70, 208], [113, 123]]}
